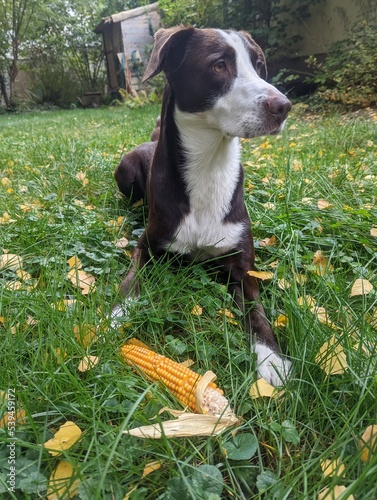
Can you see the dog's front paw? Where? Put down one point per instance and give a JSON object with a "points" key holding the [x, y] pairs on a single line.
{"points": [[271, 366], [120, 312]]}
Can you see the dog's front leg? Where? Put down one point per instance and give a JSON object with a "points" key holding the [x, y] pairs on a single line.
{"points": [[130, 287], [271, 365]]}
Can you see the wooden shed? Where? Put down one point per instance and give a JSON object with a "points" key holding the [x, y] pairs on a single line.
{"points": [[126, 38]]}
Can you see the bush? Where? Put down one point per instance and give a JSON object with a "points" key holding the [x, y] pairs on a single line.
{"points": [[348, 75]]}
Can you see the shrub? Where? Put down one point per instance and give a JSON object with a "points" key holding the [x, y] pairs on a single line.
{"points": [[348, 75]]}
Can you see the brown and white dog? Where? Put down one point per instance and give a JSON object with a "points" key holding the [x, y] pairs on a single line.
{"points": [[192, 175]]}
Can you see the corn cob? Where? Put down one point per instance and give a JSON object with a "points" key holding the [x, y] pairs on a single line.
{"points": [[180, 380]]}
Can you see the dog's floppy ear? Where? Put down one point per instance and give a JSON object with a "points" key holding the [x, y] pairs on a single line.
{"points": [[164, 41], [262, 70]]}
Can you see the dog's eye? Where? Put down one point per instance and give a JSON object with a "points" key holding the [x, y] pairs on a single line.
{"points": [[219, 67]]}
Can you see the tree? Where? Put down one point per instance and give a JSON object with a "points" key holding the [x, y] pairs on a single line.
{"points": [[15, 22]]}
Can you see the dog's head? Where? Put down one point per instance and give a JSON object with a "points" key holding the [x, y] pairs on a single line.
{"points": [[219, 74]]}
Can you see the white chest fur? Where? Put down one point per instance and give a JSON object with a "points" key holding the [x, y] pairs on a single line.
{"points": [[211, 173]]}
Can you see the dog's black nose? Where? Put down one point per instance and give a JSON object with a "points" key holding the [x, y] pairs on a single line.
{"points": [[279, 106]]}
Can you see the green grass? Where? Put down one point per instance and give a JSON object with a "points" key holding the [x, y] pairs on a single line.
{"points": [[55, 216]]}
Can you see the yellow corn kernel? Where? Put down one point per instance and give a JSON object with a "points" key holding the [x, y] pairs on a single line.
{"points": [[180, 380]]}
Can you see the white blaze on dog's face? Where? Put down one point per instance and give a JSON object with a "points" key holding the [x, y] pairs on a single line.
{"points": [[251, 106]]}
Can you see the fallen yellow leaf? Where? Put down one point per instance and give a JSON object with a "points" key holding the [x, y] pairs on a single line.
{"points": [[10, 261], [373, 231], [81, 176], [64, 304], [122, 243], [283, 284], [4, 181], [262, 275], [61, 484], [323, 316], [281, 320], [361, 287], [82, 280], [262, 389], [323, 204], [74, 262], [6, 219], [301, 279], [228, 314], [197, 310], [85, 334], [64, 439], [151, 467], [306, 301], [268, 242], [87, 363], [331, 468], [16, 417], [368, 443], [321, 263], [332, 358], [334, 493]]}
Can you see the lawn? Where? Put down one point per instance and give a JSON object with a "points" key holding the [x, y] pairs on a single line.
{"points": [[65, 241]]}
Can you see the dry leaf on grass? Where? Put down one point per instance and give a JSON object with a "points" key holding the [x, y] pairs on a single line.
{"points": [[151, 467], [227, 314], [361, 287], [61, 484], [262, 275], [373, 231], [87, 363], [332, 358], [368, 443], [281, 321], [306, 301], [321, 263], [74, 262], [6, 219], [283, 284], [82, 280], [334, 493], [10, 261], [323, 316], [324, 204], [333, 468], [64, 304], [81, 176], [262, 389], [197, 310], [122, 243], [64, 439], [16, 417], [85, 334], [268, 242]]}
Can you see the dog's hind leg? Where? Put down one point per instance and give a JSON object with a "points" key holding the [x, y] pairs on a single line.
{"points": [[132, 172]]}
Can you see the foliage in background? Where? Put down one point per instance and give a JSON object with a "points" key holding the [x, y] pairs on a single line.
{"points": [[348, 75], [16, 25], [268, 21], [56, 43]]}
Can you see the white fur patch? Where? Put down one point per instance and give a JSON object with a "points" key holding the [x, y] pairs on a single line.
{"points": [[121, 311], [211, 174], [271, 366], [240, 112]]}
